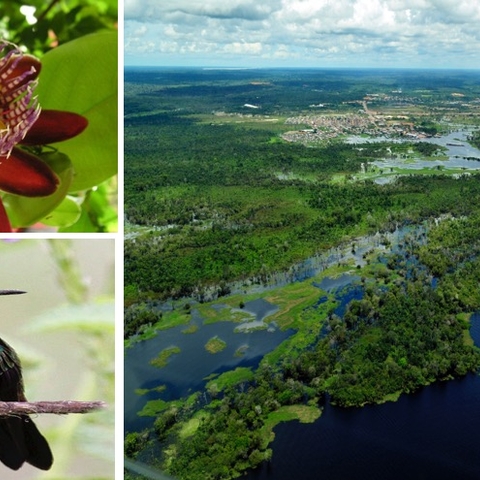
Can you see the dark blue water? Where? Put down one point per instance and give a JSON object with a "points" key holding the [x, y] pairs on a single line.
{"points": [[430, 435]]}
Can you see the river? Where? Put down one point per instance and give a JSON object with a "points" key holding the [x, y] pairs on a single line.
{"points": [[429, 435]]}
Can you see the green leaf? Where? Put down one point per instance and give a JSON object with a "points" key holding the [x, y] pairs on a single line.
{"points": [[24, 211], [100, 209], [97, 215], [84, 224], [81, 76], [66, 214]]}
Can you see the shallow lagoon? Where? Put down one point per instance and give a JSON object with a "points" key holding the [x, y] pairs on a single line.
{"points": [[186, 371]]}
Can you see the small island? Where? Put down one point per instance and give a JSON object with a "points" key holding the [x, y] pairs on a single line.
{"points": [[162, 359], [215, 345]]}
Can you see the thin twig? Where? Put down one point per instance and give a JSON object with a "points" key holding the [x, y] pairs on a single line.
{"points": [[45, 12], [58, 408]]}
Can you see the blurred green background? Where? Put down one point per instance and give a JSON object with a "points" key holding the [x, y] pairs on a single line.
{"points": [[63, 332]]}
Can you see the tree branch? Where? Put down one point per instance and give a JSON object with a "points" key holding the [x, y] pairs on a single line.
{"points": [[59, 408], [45, 12]]}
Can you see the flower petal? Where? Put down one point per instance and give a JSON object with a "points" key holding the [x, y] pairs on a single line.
{"points": [[5, 226], [25, 174], [16, 69], [55, 126], [27, 63]]}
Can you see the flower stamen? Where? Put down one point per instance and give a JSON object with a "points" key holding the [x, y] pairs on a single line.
{"points": [[19, 109]]}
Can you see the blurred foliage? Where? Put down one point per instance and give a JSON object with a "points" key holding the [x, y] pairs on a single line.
{"points": [[77, 43], [57, 21], [92, 319]]}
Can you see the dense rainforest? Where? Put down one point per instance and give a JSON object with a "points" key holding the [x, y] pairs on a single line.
{"points": [[272, 236], [215, 196]]}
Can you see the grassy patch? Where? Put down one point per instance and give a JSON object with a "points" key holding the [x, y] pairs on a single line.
{"points": [[191, 426], [215, 345], [147, 333], [162, 359], [190, 329], [173, 319], [467, 338], [391, 397], [310, 324], [233, 377], [464, 318], [302, 413], [153, 408], [169, 320], [159, 389], [144, 391], [292, 300], [308, 320], [230, 313]]}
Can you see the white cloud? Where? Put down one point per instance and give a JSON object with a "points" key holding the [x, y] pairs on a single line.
{"points": [[305, 32], [141, 30], [243, 48], [221, 9]]}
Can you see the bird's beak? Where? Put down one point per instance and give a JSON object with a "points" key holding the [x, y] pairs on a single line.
{"points": [[11, 292]]}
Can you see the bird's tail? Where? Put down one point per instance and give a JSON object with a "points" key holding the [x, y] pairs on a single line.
{"points": [[21, 441], [39, 453]]}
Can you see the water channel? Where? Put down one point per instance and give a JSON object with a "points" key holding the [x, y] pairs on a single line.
{"points": [[185, 372]]}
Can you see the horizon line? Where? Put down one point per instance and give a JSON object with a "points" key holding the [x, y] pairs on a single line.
{"points": [[207, 67]]}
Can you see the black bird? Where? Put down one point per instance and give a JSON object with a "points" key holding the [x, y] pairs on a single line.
{"points": [[20, 440]]}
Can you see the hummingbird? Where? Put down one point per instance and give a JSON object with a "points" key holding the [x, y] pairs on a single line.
{"points": [[20, 439]]}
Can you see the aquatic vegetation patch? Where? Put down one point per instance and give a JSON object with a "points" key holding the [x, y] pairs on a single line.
{"points": [[292, 300], [162, 359], [215, 345], [153, 408], [287, 413], [190, 329], [240, 351], [230, 378], [214, 312], [141, 391]]}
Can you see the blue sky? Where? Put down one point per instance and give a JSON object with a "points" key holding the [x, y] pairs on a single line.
{"points": [[303, 33]]}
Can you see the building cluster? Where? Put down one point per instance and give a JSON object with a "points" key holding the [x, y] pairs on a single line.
{"points": [[324, 127]]}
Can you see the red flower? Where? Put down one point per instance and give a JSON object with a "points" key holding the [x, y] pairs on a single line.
{"points": [[22, 122]]}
